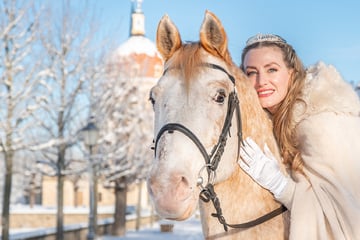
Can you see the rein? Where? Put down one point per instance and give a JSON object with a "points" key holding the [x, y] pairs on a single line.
{"points": [[212, 160]]}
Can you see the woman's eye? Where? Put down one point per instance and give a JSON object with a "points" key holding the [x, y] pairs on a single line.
{"points": [[220, 96], [249, 74], [272, 70]]}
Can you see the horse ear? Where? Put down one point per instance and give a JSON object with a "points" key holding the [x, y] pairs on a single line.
{"points": [[212, 35], [167, 38]]}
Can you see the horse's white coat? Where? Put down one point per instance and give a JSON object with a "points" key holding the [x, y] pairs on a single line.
{"points": [[198, 111]]}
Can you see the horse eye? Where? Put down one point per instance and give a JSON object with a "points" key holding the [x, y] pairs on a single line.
{"points": [[220, 96], [152, 100]]}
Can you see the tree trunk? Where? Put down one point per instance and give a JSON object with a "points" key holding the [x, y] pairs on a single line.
{"points": [[119, 226], [32, 197], [32, 191], [5, 218], [60, 195], [76, 197], [60, 208]]}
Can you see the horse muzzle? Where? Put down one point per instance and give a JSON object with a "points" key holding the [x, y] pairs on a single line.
{"points": [[173, 198]]}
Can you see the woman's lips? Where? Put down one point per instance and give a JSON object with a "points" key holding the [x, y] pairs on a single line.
{"points": [[265, 92]]}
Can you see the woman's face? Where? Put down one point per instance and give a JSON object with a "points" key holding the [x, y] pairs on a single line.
{"points": [[267, 70]]}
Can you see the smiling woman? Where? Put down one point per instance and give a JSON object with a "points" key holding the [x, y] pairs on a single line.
{"points": [[316, 117], [270, 75]]}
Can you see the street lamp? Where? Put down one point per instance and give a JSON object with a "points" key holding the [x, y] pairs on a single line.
{"points": [[90, 134]]}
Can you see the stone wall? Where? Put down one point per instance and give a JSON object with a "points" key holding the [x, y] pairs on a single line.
{"points": [[46, 220], [79, 231]]}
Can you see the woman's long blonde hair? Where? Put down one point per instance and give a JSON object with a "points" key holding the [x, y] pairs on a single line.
{"points": [[282, 118]]}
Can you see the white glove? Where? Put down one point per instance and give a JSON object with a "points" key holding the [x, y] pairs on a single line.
{"points": [[262, 167]]}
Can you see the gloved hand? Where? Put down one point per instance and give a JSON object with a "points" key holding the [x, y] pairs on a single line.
{"points": [[262, 167]]}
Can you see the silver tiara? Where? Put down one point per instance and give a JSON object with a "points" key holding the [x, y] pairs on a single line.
{"points": [[264, 38]]}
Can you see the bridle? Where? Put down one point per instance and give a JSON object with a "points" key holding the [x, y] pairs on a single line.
{"points": [[212, 160]]}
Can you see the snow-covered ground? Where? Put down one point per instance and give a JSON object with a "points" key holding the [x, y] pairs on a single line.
{"points": [[185, 230]]}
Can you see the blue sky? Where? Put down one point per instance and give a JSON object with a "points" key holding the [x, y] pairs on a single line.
{"points": [[326, 30]]}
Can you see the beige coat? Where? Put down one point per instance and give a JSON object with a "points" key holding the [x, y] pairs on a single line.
{"points": [[326, 204]]}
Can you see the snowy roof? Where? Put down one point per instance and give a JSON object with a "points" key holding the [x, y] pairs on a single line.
{"points": [[137, 45]]}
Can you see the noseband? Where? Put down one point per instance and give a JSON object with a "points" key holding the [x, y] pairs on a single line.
{"points": [[212, 160]]}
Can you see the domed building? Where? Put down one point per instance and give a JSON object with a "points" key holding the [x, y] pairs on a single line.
{"points": [[137, 56], [134, 67]]}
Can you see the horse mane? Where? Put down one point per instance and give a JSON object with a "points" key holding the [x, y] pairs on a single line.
{"points": [[187, 60]]}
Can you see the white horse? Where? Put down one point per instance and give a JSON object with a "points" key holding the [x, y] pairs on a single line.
{"points": [[203, 106]]}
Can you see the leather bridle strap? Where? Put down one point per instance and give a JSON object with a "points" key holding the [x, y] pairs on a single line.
{"points": [[171, 127], [212, 160], [208, 194], [261, 219]]}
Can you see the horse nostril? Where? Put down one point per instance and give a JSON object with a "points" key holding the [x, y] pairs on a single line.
{"points": [[184, 180]]}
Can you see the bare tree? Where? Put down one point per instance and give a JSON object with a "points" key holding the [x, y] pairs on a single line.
{"points": [[67, 43], [44, 88], [19, 78], [126, 133]]}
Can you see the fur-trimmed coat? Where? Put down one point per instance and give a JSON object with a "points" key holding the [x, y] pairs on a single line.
{"points": [[326, 203]]}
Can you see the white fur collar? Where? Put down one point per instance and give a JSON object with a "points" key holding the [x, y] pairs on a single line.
{"points": [[325, 90]]}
